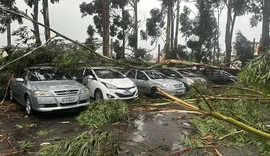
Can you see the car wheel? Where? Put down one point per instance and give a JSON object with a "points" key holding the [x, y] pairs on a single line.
{"points": [[154, 93], [98, 95], [230, 83], [28, 106]]}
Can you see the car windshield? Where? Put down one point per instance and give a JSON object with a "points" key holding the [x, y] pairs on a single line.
{"points": [[186, 74], [48, 74], [108, 74], [155, 74]]}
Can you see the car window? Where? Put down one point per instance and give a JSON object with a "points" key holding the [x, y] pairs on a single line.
{"points": [[131, 74], [169, 72], [155, 74], [47, 74], [141, 75], [88, 72], [186, 74], [108, 74]]}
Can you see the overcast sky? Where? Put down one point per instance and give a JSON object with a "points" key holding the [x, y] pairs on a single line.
{"points": [[65, 18]]}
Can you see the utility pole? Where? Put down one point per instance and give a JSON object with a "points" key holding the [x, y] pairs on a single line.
{"points": [[136, 28], [106, 23]]}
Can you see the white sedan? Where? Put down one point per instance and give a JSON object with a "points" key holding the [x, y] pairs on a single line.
{"points": [[108, 83]]}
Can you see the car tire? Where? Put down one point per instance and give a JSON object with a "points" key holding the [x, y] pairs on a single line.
{"points": [[230, 82], [186, 87], [98, 95], [154, 93], [28, 106]]}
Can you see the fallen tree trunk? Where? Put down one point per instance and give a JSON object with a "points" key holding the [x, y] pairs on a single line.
{"points": [[212, 113]]}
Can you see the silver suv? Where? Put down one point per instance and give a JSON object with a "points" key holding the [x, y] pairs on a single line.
{"points": [[148, 80], [46, 89]]}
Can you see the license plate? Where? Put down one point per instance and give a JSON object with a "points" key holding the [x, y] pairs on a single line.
{"points": [[70, 100], [179, 91], [126, 92]]}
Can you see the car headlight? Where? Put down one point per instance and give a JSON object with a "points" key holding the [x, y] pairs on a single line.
{"points": [[85, 91], [42, 93], [109, 86], [164, 85], [190, 82]]}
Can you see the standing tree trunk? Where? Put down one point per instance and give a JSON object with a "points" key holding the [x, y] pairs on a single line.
{"points": [[227, 34], [123, 31], [106, 24], [172, 33], [265, 25], [177, 24], [46, 19], [136, 28], [9, 34], [36, 27], [168, 32]]}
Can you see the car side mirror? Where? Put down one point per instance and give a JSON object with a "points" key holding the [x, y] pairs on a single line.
{"points": [[19, 79], [90, 77], [74, 78]]}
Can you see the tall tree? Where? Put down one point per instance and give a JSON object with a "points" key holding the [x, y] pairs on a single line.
{"points": [[120, 23], [6, 18], [265, 26], [234, 8], [46, 17], [200, 31], [243, 48], [34, 4]]}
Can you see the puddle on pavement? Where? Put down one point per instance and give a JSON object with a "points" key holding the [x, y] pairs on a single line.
{"points": [[163, 132]]}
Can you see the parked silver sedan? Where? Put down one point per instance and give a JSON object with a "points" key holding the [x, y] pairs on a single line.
{"points": [[46, 89], [148, 80]]}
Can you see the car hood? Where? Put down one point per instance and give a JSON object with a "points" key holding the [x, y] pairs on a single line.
{"points": [[197, 78], [167, 81], [56, 85], [119, 83]]}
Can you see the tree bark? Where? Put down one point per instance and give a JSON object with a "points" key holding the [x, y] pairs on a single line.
{"points": [[46, 19], [228, 38], [172, 31], [124, 33], [106, 24], [8, 34], [36, 27], [177, 24], [265, 25], [168, 32], [136, 28]]}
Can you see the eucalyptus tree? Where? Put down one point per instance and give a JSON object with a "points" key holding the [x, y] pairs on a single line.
{"points": [[243, 48], [34, 4], [120, 23], [45, 13], [260, 10], [235, 8], [6, 18], [200, 31]]}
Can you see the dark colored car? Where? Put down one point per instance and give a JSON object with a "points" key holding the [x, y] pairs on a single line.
{"points": [[220, 77]]}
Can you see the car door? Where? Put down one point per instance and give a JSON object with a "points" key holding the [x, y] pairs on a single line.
{"points": [[142, 82], [19, 88]]}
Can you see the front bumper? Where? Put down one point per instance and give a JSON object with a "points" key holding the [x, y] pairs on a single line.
{"points": [[175, 91], [48, 104], [122, 93]]}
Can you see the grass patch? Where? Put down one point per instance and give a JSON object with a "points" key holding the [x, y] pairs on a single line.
{"points": [[89, 143], [43, 132], [252, 113], [104, 112]]}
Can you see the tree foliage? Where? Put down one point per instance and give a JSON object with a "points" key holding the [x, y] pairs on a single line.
{"points": [[243, 48]]}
